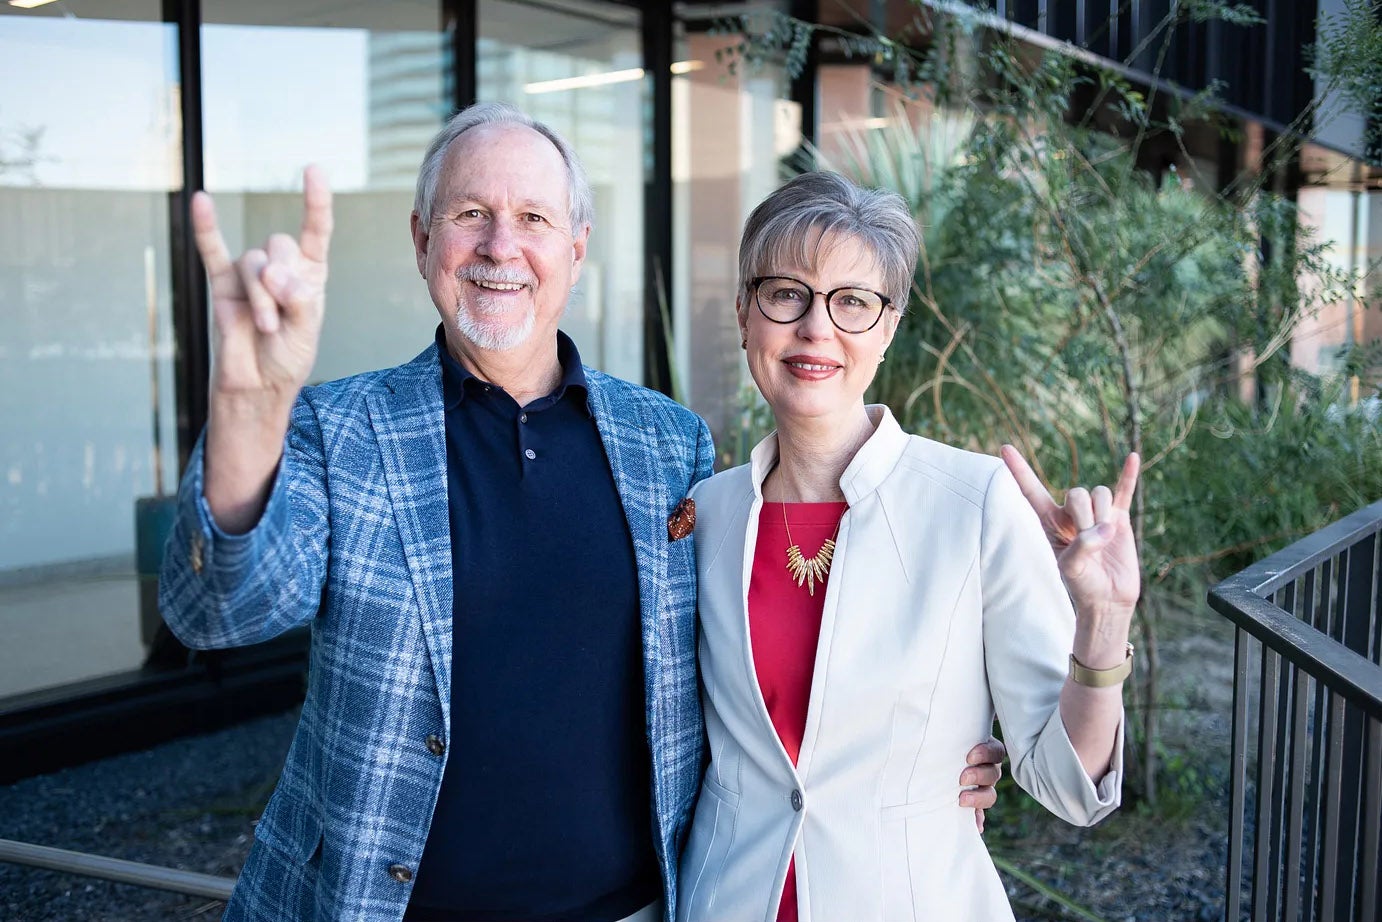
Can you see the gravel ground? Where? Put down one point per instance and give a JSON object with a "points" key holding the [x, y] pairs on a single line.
{"points": [[191, 804]]}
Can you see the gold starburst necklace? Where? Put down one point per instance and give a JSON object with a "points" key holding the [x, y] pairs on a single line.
{"points": [[814, 569]]}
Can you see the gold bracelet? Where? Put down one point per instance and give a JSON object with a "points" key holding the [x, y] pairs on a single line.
{"points": [[1081, 674]]}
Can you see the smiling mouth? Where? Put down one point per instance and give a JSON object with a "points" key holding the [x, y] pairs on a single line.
{"points": [[498, 286], [809, 367]]}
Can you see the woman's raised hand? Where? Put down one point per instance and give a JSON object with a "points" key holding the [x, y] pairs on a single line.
{"points": [[1091, 535], [268, 304]]}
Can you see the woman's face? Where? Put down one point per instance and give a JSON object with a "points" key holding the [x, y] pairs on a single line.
{"points": [[809, 369]]}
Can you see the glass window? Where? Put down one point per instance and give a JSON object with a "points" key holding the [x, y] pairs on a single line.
{"points": [[89, 150], [1339, 217], [730, 134], [579, 70], [360, 90]]}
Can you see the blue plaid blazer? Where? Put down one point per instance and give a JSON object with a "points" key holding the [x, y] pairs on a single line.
{"points": [[355, 541]]}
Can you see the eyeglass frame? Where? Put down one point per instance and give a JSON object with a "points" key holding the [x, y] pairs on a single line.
{"points": [[755, 282]]}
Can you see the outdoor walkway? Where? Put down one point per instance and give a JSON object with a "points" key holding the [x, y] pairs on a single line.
{"points": [[188, 804]]}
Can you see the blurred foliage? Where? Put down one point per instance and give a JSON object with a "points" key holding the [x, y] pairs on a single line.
{"points": [[1074, 304], [21, 152]]}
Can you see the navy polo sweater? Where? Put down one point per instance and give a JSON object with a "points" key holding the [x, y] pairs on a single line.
{"points": [[545, 811]]}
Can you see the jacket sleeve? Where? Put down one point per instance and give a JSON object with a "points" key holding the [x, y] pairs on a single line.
{"points": [[705, 453], [220, 590], [1029, 626]]}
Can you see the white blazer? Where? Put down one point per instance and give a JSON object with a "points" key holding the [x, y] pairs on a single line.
{"points": [[943, 605]]}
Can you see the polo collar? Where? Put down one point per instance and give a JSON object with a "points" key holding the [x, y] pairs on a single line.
{"points": [[456, 379]]}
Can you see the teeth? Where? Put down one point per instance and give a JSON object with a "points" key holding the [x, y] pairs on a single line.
{"points": [[499, 286], [811, 367]]}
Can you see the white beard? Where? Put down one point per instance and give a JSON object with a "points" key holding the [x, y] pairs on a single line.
{"points": [[492, 330]]}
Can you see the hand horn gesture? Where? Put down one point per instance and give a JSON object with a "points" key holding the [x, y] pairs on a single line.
{"points": [[268, 304], [1091, 535]]}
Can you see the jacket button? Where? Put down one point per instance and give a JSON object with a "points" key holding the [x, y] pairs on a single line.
{"points": [[401, 873], [435, 745], [796, 800]]}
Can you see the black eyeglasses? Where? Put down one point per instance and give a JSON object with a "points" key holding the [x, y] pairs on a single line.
{"points": [[786, 300]]}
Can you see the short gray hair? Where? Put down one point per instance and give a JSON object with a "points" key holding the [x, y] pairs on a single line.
{"points": [[581, 205], [787, 226]]}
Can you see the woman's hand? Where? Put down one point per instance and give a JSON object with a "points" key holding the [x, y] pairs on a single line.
{"points": [[1091, 535]]}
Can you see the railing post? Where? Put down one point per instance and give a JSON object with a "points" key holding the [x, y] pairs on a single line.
{"points": [[1238, 777], [1313, 613]]}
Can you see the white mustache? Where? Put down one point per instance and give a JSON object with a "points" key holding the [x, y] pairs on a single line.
{"points": [[495, 275]]}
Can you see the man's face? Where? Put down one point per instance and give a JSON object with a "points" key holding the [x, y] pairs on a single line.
{"points": [[500, 257]]}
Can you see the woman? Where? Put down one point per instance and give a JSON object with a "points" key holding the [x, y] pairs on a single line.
{"points": [[869, 598]]}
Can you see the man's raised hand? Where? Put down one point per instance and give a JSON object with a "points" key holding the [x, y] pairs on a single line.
{"points": [[268, 304], [268, 307]]}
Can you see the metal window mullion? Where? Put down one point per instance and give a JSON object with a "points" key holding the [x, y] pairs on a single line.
{"points": [[460, 23], [191, 312], [656, 21], [804, 89]]}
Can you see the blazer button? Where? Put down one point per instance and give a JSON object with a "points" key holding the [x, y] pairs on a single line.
{"points": [[435, 745], [796, 800], [401, 873]]}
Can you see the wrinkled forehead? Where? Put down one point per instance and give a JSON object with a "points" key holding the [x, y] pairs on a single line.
{"points": [[800, 249], [487, 158]]}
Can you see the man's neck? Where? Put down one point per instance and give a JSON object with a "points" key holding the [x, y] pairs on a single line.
{"points": [[526, 372]]}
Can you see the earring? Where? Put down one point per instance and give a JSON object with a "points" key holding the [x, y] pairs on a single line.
{"points": [[881, 358], [744, 343]]}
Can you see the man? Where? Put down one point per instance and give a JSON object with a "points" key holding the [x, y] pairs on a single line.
{"points": [[501, 720]]}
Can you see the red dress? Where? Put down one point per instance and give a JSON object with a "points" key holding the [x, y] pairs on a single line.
{"points": [[784, 628]]}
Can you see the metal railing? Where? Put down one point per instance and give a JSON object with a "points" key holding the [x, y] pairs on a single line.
{"points": [[117, 869], [1305, 809]]}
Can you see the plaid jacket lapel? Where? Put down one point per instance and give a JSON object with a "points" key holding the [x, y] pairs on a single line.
{"points": [[409, 422], [636, 463]]}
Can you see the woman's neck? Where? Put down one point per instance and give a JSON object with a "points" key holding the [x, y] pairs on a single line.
{"points": [[812, 456]]}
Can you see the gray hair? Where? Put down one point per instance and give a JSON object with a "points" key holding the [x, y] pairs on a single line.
{"points": [[581, 205], [786, 229]]}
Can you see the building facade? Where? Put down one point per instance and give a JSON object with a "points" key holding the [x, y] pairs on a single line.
{"points": [[113, 111]]}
